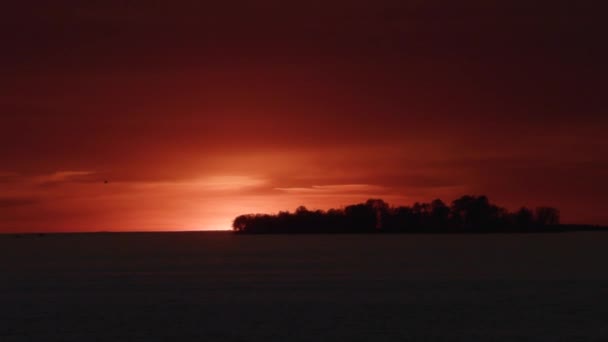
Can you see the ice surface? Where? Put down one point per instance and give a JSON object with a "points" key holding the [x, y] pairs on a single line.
{"points": [[224, 287]]}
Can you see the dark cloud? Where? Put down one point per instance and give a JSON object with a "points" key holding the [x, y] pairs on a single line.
{"points": [[10, 202], [120, 35], [7, 177]]}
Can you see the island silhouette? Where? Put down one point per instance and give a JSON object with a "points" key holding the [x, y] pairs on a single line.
{"points": [[467, 214]]}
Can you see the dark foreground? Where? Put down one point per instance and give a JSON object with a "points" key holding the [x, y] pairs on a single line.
{"points": [[225, 287]]}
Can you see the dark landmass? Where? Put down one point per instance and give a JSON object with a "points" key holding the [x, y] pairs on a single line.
{"points": [[225, 287], [468, 214]]}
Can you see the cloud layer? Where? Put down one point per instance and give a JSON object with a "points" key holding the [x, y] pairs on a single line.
{"points": [[198, 111]]}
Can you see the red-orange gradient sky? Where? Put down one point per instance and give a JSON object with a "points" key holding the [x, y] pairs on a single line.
{"points": [[198, 111]]}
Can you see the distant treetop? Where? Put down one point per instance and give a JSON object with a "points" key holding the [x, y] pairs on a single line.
{"points": [[466, 214]]}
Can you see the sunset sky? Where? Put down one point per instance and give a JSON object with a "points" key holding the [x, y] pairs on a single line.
{"points": [[198, 111]]}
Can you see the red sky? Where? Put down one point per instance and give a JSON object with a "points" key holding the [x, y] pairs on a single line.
{"points": [[197, 112]]}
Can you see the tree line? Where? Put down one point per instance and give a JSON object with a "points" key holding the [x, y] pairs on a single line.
{"points": [[465, 214]]}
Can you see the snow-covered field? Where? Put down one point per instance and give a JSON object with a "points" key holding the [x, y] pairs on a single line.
{"points": [[223, 287]]}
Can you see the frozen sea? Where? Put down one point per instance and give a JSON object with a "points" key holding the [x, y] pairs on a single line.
{"points": [[225, 287]]}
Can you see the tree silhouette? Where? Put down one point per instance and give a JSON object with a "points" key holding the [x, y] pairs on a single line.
{"points": [[440, 214], [465, 214], [524, 218], [546, 216]]}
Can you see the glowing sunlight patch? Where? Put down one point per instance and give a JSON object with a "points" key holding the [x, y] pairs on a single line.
{"points": [[338, 188], [230, 182]]}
